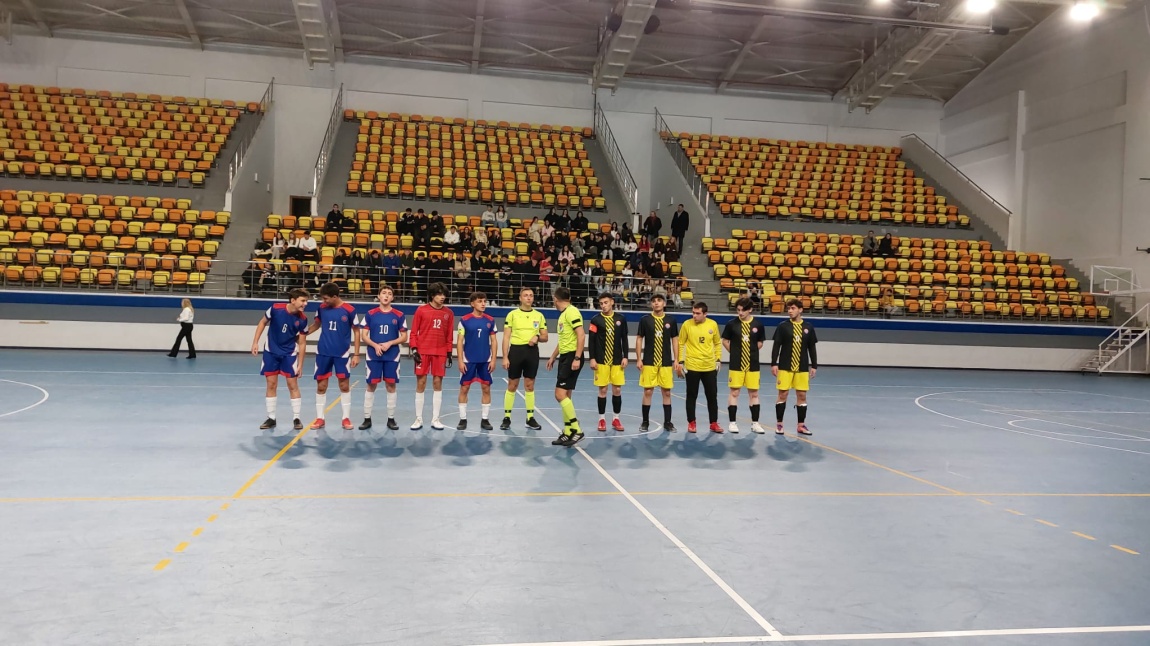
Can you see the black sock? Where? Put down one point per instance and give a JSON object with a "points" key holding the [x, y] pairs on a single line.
{"points": [[602, 405], [646, 413], [780, 410], [666, 414], [617, 403], [754, 412], [733, 411], [802, 410]]}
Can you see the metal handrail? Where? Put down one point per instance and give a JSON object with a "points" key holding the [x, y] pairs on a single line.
{"points": [[615, 158], [695, 182], [242, 145], [321, 161], [956, 169], [1117, 334]]}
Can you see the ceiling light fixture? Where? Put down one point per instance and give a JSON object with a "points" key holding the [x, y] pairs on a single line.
{"points": [[980, 6], [1084, 10]]}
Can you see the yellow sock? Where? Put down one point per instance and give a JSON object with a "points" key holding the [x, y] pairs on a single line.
{"points": [[569, 420], [508, 402], [530, 397]]}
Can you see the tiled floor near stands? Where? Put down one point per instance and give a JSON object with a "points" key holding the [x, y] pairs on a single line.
{"points": [[139, 503]]}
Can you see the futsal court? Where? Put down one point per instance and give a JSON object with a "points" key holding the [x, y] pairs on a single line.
{"points": [[139, 503]]}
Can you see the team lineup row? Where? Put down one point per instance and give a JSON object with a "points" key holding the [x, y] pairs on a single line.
{"points": [[663, 350]]}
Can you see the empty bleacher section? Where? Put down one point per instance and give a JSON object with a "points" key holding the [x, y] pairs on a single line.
{"points": [[772, 178], [359, 257], [87, 135], [111, 241], [917, 276], [433, 158]]}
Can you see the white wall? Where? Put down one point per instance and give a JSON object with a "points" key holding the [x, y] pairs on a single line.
{"points": [[304, 99], [1058, 130]]}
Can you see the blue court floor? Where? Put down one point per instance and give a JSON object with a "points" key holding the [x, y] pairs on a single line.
{"points": [[140, 504]]}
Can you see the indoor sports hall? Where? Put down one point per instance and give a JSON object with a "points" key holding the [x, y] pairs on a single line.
{"points": [[926, 216]]}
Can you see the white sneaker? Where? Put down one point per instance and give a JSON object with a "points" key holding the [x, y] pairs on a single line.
{"points": [[417, 424], [757, 428], [436, 424], [733, 427]]}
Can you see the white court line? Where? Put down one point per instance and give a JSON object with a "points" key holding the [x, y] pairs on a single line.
{"points": [[129, 372], [847, 637], [1122, 437], [918, 402], [742, 603], [21, 383]]}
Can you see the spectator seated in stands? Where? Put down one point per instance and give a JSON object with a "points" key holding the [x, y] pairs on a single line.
{"points": [[308, 249], [886, 246], [336, 221], [870, 245], [278, 245], [580, 224], [488, 217], [451, 239], [501, 219]]}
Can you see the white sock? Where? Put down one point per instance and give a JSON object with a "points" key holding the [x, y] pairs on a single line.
{"points": [[419, 405], [463, 411], [345, 401], [486, 410], [436, 403], [270, 403], [296, 405], [392, 398], [614, 415], [368, 402], [320, 405], [602, 417]]}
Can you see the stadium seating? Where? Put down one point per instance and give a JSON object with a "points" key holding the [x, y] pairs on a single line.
{"points": [[378, 230], [411, 156], [145, 243], [926, 277], [755, 177], [86, 135]]}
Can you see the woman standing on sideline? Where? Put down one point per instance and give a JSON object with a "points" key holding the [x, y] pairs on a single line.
{"points": [[185, 321]]}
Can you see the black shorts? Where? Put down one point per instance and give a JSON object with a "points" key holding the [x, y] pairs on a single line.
{"points": [[524, 361], [568, 376]]}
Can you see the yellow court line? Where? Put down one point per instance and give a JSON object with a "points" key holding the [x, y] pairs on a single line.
{"points": [[111, 499], [1045, 522], [904, 474], [1123, 549], [1086, 536], [252, 480], [1016, 513]]}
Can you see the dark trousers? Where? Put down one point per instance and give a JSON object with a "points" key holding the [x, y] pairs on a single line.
{"points": [[681, 238], [185, 333], [710, 390]]}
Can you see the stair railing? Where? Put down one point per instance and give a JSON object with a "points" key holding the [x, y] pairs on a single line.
{"points": [[615, 158], [321, 161], [1132, 324]]}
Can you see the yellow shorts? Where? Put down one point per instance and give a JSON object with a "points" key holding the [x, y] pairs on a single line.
{"points": [[743, 379], [606, 375], [796, 380], [661, 376]]}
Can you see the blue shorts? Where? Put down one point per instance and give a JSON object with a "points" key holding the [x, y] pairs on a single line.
{"points": [[378, 371], [326, 365], [279, 364], [476, 372]]}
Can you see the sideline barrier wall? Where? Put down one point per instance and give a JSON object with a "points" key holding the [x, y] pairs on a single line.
{"points": [[83, 320]]}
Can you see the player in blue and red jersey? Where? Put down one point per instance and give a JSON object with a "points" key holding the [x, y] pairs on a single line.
{"points": [[476, 347], [335, 320], [283, 352], [431, 330], [383, 330]]}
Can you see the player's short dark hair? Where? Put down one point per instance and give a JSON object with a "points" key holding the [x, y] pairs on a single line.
{"points": [[384, 287], [796, 302], [526, 289], [744, 304], [562, 294], [607, 295], [298, 293], [476, 296], [329, 289], [699, 305], [657, 297], [435, 289]]}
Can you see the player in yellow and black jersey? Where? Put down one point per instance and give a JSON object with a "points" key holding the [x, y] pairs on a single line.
{"points": [[608, 339], [743, 337], [793, 363], [657, 355]]}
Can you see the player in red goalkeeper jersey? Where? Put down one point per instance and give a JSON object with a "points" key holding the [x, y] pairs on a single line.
{"points": [[431, 338]]}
